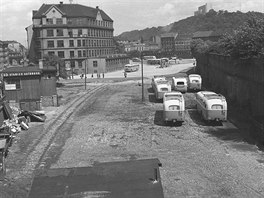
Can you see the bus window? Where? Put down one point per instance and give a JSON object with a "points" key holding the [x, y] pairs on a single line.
{"points": [[217, 107], [180, 83]]}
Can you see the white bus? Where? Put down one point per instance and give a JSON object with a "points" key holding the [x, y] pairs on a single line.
{"points": [[173, 107], [160, 86], [212, 106], [194, 82], [131, 67], [179, 84]]}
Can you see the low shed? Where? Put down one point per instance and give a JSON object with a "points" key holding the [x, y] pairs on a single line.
{"points": [[25, 87]]}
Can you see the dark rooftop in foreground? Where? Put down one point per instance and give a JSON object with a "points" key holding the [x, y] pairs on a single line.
{"points": [[127, 179]]}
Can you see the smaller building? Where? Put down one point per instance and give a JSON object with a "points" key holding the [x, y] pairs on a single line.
{"points": [[106, 64], [30, 88]]}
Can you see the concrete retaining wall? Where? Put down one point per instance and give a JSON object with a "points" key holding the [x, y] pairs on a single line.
{"points": [[241, 81]]}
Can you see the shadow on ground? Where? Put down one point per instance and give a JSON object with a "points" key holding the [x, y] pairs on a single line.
{"points": [[198, 119], [158, 120]]}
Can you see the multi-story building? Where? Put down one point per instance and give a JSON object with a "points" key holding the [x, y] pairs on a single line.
{"points": [[183, 45], [73, 32], [168, 43], [4, 58]]}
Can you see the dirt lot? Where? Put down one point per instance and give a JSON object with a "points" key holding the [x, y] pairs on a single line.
{"points": [[199, 160], [113, 124]]}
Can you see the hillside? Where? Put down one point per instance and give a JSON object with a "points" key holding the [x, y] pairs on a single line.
{"points": [[221, 21]]}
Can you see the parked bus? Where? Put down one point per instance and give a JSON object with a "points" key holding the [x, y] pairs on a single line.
{"points": [[194, 82], [149, 57], [153, 61], [155, 79], [160, 86], [173, 107], [131, 67], [179, 84], [212, 106]]}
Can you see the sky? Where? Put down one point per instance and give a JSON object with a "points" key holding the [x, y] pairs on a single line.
{"points": [[16, 15]]}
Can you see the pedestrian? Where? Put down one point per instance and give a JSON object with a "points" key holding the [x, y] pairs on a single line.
{"points": [[92, 75], [103, 75], [125, 74]]}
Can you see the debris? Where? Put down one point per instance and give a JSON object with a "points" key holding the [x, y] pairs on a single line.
{"points": [[33, 116]]}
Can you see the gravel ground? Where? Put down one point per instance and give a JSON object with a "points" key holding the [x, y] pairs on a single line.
{"points": [[199, 160]]}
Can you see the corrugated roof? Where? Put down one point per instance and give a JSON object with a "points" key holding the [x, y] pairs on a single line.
{"points": [[201, 34], [21, 69], [72, 10]]}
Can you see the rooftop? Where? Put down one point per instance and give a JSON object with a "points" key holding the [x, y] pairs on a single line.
{"points": [[72, 11]]}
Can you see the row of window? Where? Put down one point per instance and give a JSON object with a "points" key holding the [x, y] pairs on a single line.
{"points": [[77, 33], [78, 21], [80, 43], [84, 53]]}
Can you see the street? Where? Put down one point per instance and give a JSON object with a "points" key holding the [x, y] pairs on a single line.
{"points": [[113, 124]]}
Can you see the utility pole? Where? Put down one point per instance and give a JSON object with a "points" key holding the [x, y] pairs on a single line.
{"points": [[142, 77], [85, 68]]}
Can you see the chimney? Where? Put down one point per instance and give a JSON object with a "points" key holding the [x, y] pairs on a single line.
{"points": [[61, 2]]}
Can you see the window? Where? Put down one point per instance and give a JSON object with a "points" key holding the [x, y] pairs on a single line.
{"points": [[70, 33], [61, 54], [79, 53], [59, 21], [51, 53], [71, 43], [83, 42], [69, 21], [37, 33], [49, 21], [79, 32], [217, 107], [79, 43], [72, 64], [94, 63], [12, 84], [50, 44], [71, 53], [59, 32], [50, 33], [60, 43], [84, 53], [80, 64]]}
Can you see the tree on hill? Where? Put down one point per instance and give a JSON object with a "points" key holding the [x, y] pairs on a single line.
{"points": [[245, 42]]}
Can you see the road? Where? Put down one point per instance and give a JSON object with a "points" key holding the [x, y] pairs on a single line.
{"points": [[112, 124]]}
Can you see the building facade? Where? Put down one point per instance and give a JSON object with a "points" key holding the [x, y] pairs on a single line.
{"points": [[183, 45], [73, 32], [4, 58], [168, 43]]}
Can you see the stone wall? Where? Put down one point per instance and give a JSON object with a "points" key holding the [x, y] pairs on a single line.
{"points": [[241, 81], [47, 101]]}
